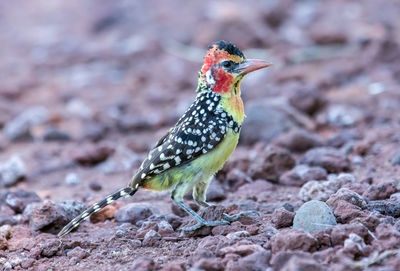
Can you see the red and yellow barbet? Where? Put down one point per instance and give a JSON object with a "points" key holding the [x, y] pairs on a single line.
{"points": [[201, 141]]}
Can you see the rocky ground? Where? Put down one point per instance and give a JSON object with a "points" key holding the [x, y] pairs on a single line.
{"points": [[88, 86]]}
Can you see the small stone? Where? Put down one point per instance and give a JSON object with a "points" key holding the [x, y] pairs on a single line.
{"points": [[215, 192], [299, 263], [344, 194], [151, 238], [301, 174], [89, 155], [256, 261], [72, 179], [314, 216], [341, 138], [77, 107], [5, 234], [254, 188], [271, 164], [341, 115], [238, 235], [180, 212], [331, 159], [49, 216], [95, 186], [322, 190], [293, 240], [50, 247], [212, 264], [143, 264], [19, 199], [20, 127], [107, 212], [282, 218], [133, 213], [346, 205], [395, 158], [54, 134], [240, 249], [78, 253], [165, 229], [385, 207], [342, 231], [381, 191], [299, 140], [12, 171], [307, 100], [288, 206]]}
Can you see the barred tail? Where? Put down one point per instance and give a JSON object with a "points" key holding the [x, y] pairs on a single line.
{"points": [[124, 192]]}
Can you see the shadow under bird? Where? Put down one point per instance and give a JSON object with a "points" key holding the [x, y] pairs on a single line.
{"points": [[200, 143]]}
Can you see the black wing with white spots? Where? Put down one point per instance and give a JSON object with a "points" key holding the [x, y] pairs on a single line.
{"points": [[203, 126]]}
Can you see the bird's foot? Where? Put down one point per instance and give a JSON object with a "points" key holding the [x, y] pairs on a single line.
{"points": [[233, 218], [206, 223]]}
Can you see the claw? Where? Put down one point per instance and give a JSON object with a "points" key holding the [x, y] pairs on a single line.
{"points": [[206, 223], [232, 218]]}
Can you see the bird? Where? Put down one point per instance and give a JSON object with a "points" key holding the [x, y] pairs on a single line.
{"points": [[188, 156]]}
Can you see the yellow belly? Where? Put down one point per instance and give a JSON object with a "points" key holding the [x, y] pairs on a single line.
{"points": [[199, 170]]}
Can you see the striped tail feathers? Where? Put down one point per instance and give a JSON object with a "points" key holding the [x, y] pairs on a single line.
{"points": [[124, 192]]}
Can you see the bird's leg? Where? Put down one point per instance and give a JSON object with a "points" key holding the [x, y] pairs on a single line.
{"points": [[177, 197], [235, 217], [199, 195], [200, 221]]}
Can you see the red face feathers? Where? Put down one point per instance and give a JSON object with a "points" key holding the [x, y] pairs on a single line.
{"points": [[224, 67]]}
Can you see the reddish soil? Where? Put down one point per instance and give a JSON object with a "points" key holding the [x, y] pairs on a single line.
{"points": [[87, 87]]}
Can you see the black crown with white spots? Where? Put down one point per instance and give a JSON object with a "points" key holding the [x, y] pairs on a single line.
{"points": [[201, 128]]}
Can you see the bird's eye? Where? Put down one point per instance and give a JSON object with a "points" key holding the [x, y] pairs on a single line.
{"points": [[227, 64]]}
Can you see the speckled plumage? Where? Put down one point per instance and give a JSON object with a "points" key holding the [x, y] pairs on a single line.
{"points": [[201, 141]]}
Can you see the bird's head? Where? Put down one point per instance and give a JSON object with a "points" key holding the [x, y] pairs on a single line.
{"points": [[224, 68]]}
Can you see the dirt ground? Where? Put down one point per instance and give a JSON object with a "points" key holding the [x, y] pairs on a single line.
{"points": [[87, 87]]}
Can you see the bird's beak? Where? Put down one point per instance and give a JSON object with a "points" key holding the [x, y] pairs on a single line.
{"points": [[250, 65]]}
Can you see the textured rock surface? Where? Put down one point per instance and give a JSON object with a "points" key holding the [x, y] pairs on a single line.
{"points": [[313, 216]]}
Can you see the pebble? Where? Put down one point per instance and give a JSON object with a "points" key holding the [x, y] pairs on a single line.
{"points": [[346, 205], [12, 171], [271, 164], [333, 160], [151, 238], [341, 115], [72, 179], [54, 134], [299, 140], [341, 232], [256, 261], [20, 127], [215, 192], [322, 190], [164, 228], [306, 100], [313, 216], [20, 198], [301, 174], [90, 154], [380, 191], [395, 161], [50, 217], [134, 212], [282, 218], [95, 186], [293, 240], [385, 207]]}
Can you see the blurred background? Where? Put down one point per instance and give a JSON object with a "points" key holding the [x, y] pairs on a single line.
{"points": [[88, 86], [82, 81]]}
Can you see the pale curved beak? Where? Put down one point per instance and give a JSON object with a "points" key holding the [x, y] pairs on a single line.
{"points": [[250, 65]]}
